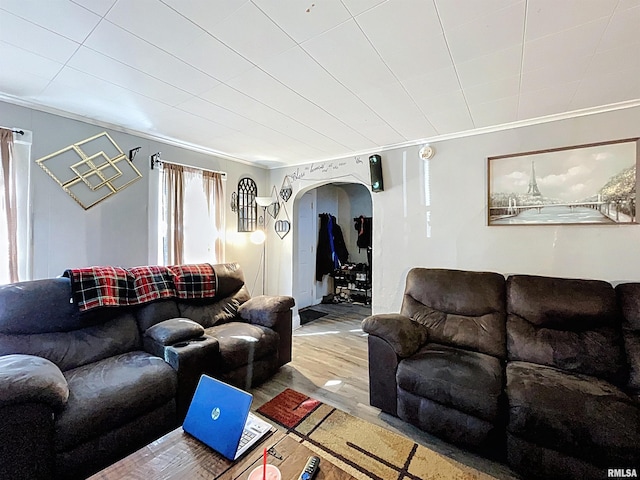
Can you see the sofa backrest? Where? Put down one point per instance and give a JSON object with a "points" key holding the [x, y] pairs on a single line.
{"points": [[629, 301], [461, 308], [39, 318], [570, 324], [231, 292]]}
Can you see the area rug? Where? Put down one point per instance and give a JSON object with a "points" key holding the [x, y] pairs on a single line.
{"points": [[364, 450], [308, 315]]}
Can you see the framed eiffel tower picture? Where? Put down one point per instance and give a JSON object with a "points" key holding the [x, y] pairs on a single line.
{"points": [[584, 184]]}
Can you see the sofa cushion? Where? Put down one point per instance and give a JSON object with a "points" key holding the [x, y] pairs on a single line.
{"points": [[110, 393], [243, 343], [632, 348], [468, 381], [629, 299], [72, 349], [562, 303], [460, 308], [209, 314], [578, 415], [155, 312], [566, 323], [596, 352], [53, 312]]}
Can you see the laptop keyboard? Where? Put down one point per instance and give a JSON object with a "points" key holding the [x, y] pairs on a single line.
{"points": [[247, 436]]}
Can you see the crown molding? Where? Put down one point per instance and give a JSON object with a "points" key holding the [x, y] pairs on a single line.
{"points": [[431, 140], [129, 131], [484, 130]]}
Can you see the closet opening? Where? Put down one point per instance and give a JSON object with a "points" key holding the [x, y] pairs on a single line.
{"points": [[333, 246]]}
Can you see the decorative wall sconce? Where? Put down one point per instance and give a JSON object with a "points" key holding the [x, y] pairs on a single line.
{"points": [[283, 227], [247, 206], [245, 201], [286, 190], [91, 170], [234, 202]]}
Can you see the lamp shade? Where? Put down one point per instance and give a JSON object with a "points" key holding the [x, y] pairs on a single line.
{"points": [[264, 201]]}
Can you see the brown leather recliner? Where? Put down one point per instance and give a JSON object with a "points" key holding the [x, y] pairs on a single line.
{"points": [[439, 363]]}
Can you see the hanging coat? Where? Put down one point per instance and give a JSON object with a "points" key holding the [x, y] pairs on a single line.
{"points": [[363, 227], [332, 251], [340, 246]]}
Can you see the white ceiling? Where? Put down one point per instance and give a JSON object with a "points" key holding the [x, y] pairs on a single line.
{"points": [[290, 81]]}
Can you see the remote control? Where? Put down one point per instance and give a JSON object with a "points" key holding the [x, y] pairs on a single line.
{"points": [[310, 468]]}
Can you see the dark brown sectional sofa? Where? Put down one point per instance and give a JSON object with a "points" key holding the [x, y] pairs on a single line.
{"points": [[543, 372], [78, 391]]}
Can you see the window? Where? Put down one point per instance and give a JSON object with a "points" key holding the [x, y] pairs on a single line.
{"points": [[192, 221], [247, 207], [17, 182]]}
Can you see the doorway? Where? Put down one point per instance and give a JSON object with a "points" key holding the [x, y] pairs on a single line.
{"points": [[346, 202]]}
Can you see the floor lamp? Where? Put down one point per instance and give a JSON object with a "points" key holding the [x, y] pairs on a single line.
{"points": [[260, 236]]}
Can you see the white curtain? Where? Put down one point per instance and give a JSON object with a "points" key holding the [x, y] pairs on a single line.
{"points": [[193, 215], [8, 210], [173, 214], [214, 193]]}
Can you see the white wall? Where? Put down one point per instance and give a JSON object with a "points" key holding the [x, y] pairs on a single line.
{"points": [[353, 200], [451, 231], [120, 230]]}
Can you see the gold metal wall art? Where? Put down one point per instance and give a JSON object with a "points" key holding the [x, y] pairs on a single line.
{"points": [[91, 170]]}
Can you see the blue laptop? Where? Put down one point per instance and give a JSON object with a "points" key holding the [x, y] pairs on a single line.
{"points": [[219, 416]]}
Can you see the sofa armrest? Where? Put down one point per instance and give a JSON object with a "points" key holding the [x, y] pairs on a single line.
{"points": [[32, 390], [183, 345], [404, 335], [174, 330], [265, 310], [190, 358], [273, 312], [31, 379]]}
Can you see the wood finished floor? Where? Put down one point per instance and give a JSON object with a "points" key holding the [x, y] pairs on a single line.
{"points": [[330, 363]]}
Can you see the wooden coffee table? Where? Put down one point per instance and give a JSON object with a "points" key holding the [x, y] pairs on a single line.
{"points": [[178, 455]]}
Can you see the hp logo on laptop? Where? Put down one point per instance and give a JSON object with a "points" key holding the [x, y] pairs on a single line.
{"points": [[215, 413]]}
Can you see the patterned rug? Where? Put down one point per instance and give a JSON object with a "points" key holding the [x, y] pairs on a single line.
{"points": [[363, 449]]}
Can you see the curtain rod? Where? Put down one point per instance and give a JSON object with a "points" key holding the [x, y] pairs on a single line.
{"points": [[19, 132], [156, 160]]}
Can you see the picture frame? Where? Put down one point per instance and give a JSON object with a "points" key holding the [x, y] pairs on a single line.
{"points": [[590, 184]]}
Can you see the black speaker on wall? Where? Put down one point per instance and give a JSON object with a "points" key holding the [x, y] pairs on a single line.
{"points": [[375, 168]]}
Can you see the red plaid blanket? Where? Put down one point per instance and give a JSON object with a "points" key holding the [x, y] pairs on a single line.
{"points": [[151, 283], [194, 281], [100, 286], [113, 286]]}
